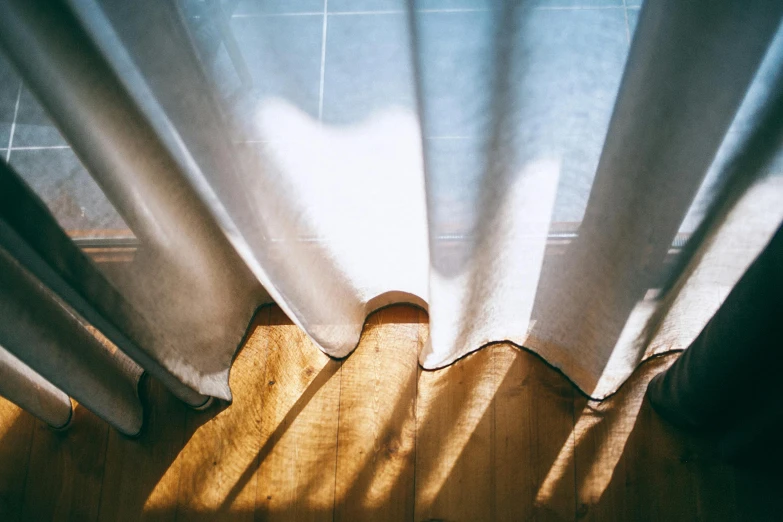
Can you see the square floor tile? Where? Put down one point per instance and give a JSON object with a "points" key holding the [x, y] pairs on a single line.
{"points": [[561, 77], [456, 53], [369, 67], [73, 197], [633, 19], [455, 168], [360, 6], [402, 5], [567, 72], [576, 3], [279, 6], [455, 4], [283, 55], [34, 128], [254, 7], [205, 31]]}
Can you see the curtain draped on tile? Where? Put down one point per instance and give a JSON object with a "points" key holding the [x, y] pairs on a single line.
{"points": [[587, 182]]}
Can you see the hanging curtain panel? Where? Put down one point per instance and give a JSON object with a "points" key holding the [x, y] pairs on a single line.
{"points": [[586, 181], [45, 326], [186, 298], [23, 386]]}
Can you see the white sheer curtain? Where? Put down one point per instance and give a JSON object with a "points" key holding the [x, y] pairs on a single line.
{"points": [[476, 129], [585, 181]]}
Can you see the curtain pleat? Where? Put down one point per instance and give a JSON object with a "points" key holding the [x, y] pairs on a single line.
{"points": [[24, 387], [67, 272], [667, 125], [45, 334], [741, 222], [190, 295], [526, 174]]}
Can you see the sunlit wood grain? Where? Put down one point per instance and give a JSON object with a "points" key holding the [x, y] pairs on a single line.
{"points": [[16, 434], [454, 440], [377, 432], [297, 459], [498, 435]]}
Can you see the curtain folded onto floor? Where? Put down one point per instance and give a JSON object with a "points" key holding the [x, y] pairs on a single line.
{"points": [[587, 182]]}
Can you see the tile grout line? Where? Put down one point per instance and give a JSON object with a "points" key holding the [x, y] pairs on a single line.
{"points": [[275, 15], [323, 62], [13, 123], [454, 10], [42, 147], [577, 8], [366, 13], [399, 11], [263, 142]]}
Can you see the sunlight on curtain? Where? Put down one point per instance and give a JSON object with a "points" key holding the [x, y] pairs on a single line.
{"points": [[514, 102], [586, 181]]}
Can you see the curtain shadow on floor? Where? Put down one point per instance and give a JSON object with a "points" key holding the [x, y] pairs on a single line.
{"points": [[498, 435]]}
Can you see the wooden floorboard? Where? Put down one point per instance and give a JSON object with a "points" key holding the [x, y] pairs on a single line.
{"points": [[454, 440], [141, 477], [16, 437], [217, 479], [65, 470], [376, 441], [617, 444], [298, 456], [498, 435], [534, 420]]}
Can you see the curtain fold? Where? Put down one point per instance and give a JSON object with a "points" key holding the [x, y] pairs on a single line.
{"points": [[575, 181], [645, 180], [189, 297], [45, 334], [24, 387]]}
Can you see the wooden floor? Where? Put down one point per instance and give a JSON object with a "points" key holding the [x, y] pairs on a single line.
{"points": [[498, 435]]}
